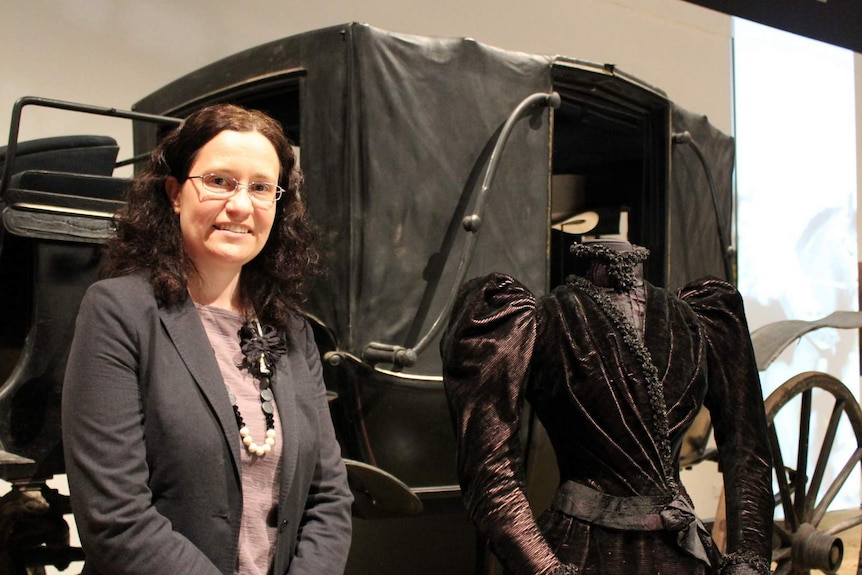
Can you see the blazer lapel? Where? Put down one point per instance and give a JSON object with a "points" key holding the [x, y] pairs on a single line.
{"points": [[285, 401], [187, 334]]}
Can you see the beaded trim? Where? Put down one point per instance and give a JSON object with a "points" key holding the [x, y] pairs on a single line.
{"points": [[758, 563], [654, 387], [261, 347], [620, 265], [567, 569]]}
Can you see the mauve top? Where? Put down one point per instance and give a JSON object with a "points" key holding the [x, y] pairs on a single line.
{"points": [[259, 474]]}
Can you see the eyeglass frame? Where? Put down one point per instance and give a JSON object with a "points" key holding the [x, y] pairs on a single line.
{"points": [[216, 195]]}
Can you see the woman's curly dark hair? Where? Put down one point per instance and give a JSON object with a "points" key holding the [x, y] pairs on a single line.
{"points": [[148, 237]]}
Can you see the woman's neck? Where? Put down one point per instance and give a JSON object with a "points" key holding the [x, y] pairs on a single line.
{"points": [[217, 290]]}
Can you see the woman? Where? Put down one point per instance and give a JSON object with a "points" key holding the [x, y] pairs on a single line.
{"points": [[616, 370], [196, 429]]}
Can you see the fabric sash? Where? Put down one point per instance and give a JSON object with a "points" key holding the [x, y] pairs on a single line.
{"points": [[637, 513]]}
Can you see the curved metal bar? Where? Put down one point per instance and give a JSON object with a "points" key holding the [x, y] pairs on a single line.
{"points": [[400, 356], [359, 369], [726, 248]]}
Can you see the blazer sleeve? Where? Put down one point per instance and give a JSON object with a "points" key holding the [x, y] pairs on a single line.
{"points": [[734, 395], [325, 531], [486, 352], [121, 532]]}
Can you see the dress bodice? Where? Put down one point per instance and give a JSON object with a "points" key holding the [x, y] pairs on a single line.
{"points": [[616, 404]]}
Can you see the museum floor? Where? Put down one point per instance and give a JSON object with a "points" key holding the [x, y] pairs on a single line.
{"points": [[850, 539]]}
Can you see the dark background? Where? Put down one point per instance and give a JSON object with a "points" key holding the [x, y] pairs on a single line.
{"points": [[837, 22]]}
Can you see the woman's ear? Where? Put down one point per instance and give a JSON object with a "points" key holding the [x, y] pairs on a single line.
{"points": [[172, 188]]}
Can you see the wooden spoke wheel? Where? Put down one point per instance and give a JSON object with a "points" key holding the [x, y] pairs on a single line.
{"points": [[803, 543]]}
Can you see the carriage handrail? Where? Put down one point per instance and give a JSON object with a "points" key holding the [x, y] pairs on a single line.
{"points": [[15, 124], [400, 356]]}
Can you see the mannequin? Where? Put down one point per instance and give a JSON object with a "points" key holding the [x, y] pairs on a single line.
{"points": [[631, 302], [616, 369]]}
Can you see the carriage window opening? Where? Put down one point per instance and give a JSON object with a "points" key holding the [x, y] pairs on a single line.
{"points": [[608, 170]]}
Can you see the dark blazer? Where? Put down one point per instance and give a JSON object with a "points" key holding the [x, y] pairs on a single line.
{"points": [[152, 448]]}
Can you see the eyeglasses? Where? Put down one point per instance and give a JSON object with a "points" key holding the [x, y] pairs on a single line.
{"points": [[222, 187]]}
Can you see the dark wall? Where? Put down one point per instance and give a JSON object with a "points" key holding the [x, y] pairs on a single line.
{"points": [[836, 22]]}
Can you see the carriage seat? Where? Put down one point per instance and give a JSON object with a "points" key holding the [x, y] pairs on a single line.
{"points": [[56, 212], [62, 206], [76, 154]]}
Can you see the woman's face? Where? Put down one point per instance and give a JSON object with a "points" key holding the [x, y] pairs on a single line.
{"points": [[223, 234]]}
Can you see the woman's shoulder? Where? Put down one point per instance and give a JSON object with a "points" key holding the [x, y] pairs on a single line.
{"points": [[135, 282], [298, 326], [129, 290]]}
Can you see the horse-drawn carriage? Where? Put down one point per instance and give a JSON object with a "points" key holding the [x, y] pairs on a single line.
{"points": [[426, 161]]}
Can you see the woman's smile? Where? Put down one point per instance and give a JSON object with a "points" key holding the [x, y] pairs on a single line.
{"points": [[226, 232]]}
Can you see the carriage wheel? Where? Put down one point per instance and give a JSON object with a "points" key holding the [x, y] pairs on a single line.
{"points": [[801, 544]]}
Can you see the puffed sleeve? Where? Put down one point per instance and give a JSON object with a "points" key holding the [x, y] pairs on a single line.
{"points": [[735, 404], [486, 352]]}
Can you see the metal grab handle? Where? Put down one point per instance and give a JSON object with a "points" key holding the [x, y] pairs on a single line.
{"points": [[400, 356], [385, 353], [12, 147]]}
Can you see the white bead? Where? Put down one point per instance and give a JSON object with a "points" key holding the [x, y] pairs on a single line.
{"points": [[259, 450], [244, 432], [248, 440], [269, 441], [266, 448], [270, 433]]}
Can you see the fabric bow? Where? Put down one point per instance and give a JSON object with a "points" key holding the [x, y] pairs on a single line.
{"points": [[260, 342], [679, 516]]}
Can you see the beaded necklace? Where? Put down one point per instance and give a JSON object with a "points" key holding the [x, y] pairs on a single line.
{"points": [[261, 347]]}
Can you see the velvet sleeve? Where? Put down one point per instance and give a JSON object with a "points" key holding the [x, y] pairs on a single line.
{"points": [[486, 352], [735, 402]]}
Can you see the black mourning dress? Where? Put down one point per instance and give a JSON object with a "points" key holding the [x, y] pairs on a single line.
{"points": [[616, 370]]}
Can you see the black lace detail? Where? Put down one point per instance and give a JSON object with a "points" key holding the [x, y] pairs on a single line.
{"points": [[620, 266], [654, 386], [754, 560]]}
